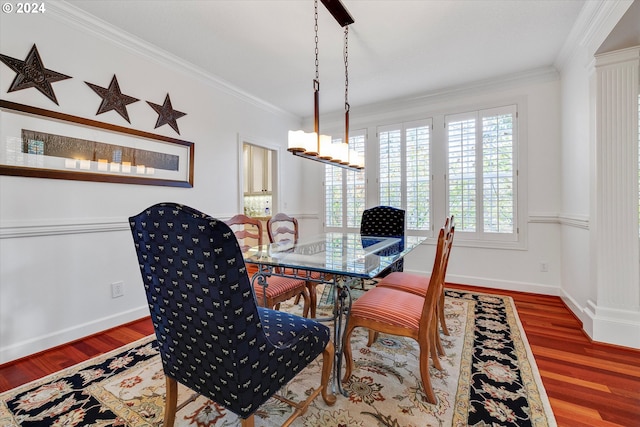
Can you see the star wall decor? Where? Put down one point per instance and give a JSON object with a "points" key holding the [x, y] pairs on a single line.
{"points": [[113, 99], [32, 73], [166, 114]]}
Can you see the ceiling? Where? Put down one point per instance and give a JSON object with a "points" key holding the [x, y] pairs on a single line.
{"points": [[397, 48]]}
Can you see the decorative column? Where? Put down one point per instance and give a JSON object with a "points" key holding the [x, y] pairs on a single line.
{"points": [[615, 239]]}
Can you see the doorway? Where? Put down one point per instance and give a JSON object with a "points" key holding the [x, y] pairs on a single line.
{"points": [[259, 172]]}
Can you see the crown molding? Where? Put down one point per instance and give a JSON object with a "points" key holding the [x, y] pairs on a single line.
{"points": [[595, 22], [402, 106]]}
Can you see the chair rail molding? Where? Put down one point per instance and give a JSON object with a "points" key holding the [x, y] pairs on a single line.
{"points": [[39, 228], [564, 219]]}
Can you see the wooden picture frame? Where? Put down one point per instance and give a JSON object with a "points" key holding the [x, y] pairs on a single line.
{"points": [[35, 142]]}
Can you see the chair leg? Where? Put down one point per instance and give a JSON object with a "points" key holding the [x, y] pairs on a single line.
{"points": [[424, 373], [300, 408], [348, 356], [327, 365], [313, 298], [440, 310], [434, 345], [247, 422], [171, 401], [307, 302], [373, 337]]}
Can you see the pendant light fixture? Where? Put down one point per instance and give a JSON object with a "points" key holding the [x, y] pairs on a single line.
{"points": [[315, 146]]}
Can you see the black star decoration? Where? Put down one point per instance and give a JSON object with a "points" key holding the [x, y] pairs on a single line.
{"points": [[31, 73], [166, 114], [113, 99]]}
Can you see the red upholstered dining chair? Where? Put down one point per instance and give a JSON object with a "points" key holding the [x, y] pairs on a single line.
{"points": [[248, 232], [396, 312], [419, 284], [283, 228]]}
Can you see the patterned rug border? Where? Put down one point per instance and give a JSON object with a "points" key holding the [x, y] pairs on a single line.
{"points": [[542, 414], [78, 366], [533, 380]]}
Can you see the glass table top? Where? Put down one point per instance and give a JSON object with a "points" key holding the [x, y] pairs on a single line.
{"points": [[349, 254]]}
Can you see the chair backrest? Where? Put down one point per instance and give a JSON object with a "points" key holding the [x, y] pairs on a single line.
{"points": [[436, 280], [384, 221], [248, 231], [449, 226], [201, 302], [282, 228]]}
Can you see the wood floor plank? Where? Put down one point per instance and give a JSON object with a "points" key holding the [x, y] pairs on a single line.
{"points": [[576, 381]]}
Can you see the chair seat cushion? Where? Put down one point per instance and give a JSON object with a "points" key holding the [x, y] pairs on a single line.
{"points": [[284, 329], [390, 306], [407, 282], [277, 286]]}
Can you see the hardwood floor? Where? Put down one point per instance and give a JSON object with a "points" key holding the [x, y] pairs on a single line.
{"points": [[588, 384]]}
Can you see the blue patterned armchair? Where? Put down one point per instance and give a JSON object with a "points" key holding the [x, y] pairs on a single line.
{"points": [[212, 336], [384, 221]]}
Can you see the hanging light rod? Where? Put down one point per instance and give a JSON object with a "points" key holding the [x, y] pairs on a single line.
{"points": [[314, 146], [339, 12]]}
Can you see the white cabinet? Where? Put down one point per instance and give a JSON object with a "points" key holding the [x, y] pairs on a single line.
{"points": [[257, 170]]}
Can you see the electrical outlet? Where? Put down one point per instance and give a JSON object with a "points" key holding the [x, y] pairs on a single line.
{"points": [[544, 266], [117, 289]]}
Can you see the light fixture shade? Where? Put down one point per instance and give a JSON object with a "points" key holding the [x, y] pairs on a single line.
{"points": [[302, 142], [355, 160], [342, 150], [326, 148]]}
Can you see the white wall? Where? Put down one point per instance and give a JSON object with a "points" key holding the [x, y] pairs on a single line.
{"points": [[62, 243], [576, 177]]}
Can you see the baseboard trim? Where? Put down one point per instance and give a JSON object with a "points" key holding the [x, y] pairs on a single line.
{"points": [[507, 285], [613, 326], [65, 336]]}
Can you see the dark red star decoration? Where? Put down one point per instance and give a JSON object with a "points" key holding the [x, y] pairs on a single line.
{"points": [[113, 99], [166, 114], [31, 73]]}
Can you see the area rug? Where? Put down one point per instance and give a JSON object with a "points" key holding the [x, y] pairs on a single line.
{"points": [[489, 378]]}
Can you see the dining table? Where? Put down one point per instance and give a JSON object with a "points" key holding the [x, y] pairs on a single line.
{"points": [[336, 259]]}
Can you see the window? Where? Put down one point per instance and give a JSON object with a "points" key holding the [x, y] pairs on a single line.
{"points": [[404, 175], [482, 173], [345, 189], [452, 163]]}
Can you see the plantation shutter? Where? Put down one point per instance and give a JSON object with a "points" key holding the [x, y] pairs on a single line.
{"points": [[333, 196], [462, 180], [418, 176], [482, 172], [356, 184], [390, 178], [345, 190]]}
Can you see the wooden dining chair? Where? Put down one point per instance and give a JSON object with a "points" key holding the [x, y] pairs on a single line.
{"points": [[418, 284], [283, 228], [277, 289], [396, 312]]}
